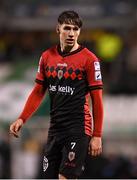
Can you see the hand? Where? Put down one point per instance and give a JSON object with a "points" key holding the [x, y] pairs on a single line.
{"points": [[95, 146], [15, 127]]}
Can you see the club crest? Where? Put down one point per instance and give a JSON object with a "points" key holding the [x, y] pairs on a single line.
{"points": [[60, 74], [71, 156]]}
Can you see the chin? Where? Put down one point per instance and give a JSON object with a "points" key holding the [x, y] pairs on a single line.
{"points": [[70, 45]]}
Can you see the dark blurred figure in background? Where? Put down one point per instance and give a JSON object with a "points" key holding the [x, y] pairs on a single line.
{"points": [[5, 156], [131, 61]]}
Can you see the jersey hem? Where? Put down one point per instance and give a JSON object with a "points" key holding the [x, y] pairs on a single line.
{"points": [[95, 87], [39, 81]]}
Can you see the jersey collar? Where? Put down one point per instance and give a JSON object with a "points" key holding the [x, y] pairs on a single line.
{"points": [[69, 53]]}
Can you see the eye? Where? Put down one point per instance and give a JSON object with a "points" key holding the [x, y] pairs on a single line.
{"points": [[67, 28], [75, 28]]}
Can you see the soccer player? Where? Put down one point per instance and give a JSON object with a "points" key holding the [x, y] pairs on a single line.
{"points": [[71, 74]]}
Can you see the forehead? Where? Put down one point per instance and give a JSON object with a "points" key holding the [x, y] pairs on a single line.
{"points": [[68, 25]]}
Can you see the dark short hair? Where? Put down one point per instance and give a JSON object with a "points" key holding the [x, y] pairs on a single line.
{"points": [[70, 17]]}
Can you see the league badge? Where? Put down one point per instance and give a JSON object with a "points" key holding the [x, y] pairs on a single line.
{"points": [[98, 76], [97, 66]]}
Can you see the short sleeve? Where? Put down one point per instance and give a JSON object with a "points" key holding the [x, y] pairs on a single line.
{"points": [[40, 76], [93, 74]]}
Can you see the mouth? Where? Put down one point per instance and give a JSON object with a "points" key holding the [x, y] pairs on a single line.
{"points": [[70, 41]]}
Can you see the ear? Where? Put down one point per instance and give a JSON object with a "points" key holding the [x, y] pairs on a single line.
{"points": [[57, 29]]}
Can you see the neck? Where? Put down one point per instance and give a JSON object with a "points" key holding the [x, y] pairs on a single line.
{"points": [[69, 48]]}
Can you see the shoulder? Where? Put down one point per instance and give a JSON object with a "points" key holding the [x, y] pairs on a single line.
{"points": [[49, 52], [89, 54]]}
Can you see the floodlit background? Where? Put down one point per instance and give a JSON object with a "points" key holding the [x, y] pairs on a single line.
{"points": [[27, 28]]}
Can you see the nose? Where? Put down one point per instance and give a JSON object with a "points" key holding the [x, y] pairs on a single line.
{"points": [[71, 33]]}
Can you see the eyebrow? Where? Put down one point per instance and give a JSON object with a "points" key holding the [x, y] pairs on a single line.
{"points": [[66, 27]]}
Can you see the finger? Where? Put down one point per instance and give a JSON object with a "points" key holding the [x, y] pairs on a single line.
{"points": [[17, 127], [97, 152], [12, 128], [93, 152], [14, 134], [12, 131], [89, 150]]}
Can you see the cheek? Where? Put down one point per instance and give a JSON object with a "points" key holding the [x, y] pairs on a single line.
{"points": [[63, 34], [77, 35]]}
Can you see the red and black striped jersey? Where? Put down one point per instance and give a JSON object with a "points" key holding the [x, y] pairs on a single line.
{"points": [[69, 78]]}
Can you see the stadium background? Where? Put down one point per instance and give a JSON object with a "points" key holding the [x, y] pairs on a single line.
{"points": [[27, 27]]}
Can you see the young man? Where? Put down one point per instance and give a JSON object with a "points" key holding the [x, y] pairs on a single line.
{"points": [[71, 73]]}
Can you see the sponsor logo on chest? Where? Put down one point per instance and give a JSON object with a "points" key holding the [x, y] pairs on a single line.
{"points": [[62, 89]]}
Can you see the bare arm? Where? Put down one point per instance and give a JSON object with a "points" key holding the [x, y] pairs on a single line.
{"points": [[32, 104]]}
